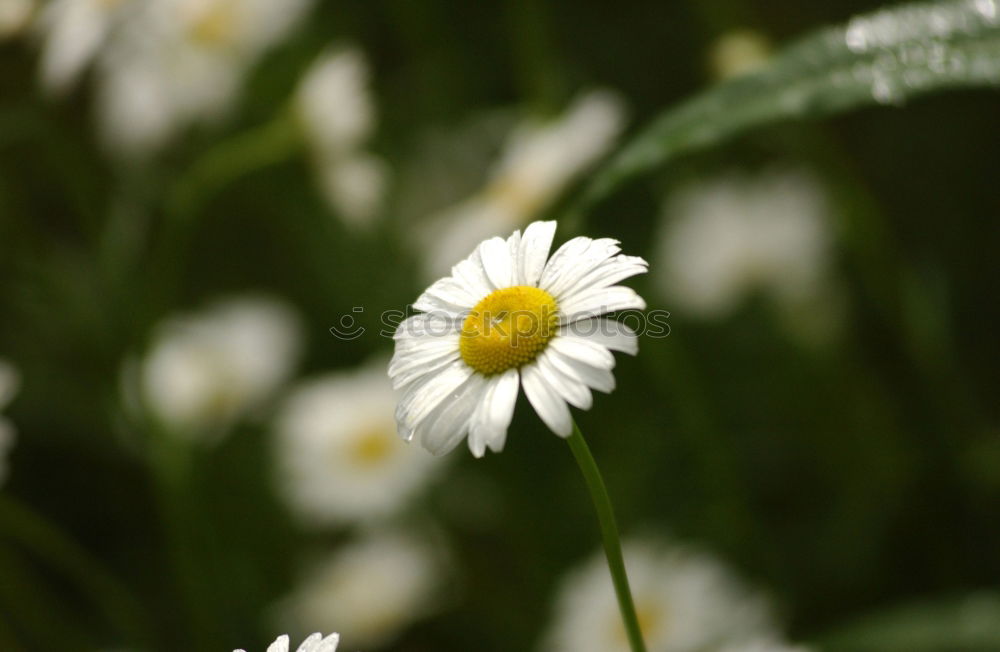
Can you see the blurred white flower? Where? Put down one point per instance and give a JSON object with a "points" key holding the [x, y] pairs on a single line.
{"points": [[333, 101], [335, 109], [206, 370], [738, 52], [72, 33], [171, 63], [339, 456], [15, 16], [539, 159], [724, 238], [313, 643], [372, 589], [686, 601], [10, 382]]}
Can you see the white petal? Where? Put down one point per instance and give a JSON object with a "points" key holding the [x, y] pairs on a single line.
{"points": [[599, 301], [425, 395], [562, 260], [595, 378], [328, 644], [444, 428], [576, 264], [417, 367], [583, 350], [535, 245], [547, 403], [492, 417], [310, 643], [606, 332], [496, 261], [426, 326], [571, 388], [470, 273], [280, 644], [447, 295], [514, 247], [607, 273]]}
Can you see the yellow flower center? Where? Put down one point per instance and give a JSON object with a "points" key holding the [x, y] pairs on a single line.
{"points": [[508, 329], [652, 619], [373, 446], [215, 25]]}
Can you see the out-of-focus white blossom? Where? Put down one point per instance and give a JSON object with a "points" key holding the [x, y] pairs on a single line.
{"points": [[539, 159], [161, 64], [339, 456], [686, 601], [729, 236], [15, 16], [333, 101], [314, 643], [206, 370], [73, 32], [336, 112], [738, 52], [10, 382], [372, 589]]}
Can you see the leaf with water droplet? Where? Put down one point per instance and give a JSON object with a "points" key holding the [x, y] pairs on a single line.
{"points": [[886, 57]]}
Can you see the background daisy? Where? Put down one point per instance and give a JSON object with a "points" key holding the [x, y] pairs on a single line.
{"points": [[338, 453]]}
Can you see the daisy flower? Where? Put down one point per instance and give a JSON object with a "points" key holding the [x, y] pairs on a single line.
{"points": [[339, 456], [686, 600], [337, 114], [510, 316], [170, 64], [540, 158], [724, 238], [205, 371], [314, 643], [371, 589]]}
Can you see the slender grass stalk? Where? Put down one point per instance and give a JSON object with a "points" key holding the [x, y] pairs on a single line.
{"points": [[609, 536]]}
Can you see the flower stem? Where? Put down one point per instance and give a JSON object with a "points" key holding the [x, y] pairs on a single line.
{"points": [[609, 536]]}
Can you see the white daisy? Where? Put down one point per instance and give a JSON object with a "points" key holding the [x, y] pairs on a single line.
{"points": [[510, 316], [372, 589], [539, 159], [686, 601], [314, 643], [172, 63], [339, 456], [724, 238], [336, 111], [206, 370]]}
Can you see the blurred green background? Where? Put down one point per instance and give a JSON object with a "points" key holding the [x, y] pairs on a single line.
{"points": [[851, 476]]}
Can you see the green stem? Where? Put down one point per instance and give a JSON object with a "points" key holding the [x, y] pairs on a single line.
{"points": [[609, 536]]}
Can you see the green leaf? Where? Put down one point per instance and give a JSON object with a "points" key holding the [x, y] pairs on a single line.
{"points": [[969, 624], [886, 58]]}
